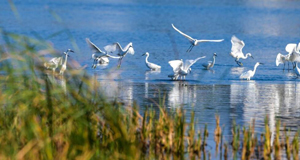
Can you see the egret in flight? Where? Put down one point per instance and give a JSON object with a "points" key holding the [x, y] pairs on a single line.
{"points": [[116, 48], [194, 42], [247, 75], [182, 69], [211, 63], [150, 65], [64, 66], [99, 56], [236, 50]]}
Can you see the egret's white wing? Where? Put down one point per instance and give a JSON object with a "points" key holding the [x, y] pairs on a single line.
{"points": [[237, 45], [114, 48], [176, 65], [189, 63], [246, 75], [280, 59], [298, 47], [153, 66], [185, 35], [131, 51], [93, 47], [205, 40], [56, 60], [290, 47]]}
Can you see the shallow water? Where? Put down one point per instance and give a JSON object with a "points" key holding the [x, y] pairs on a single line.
{"points": [[265, 26]]}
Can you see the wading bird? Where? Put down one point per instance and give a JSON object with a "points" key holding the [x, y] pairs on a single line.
{"points": [[99, 56], [150, 65], [64, 66], [236, 50], [182, 69], [211, 63], [116, 48], [247, 75], [194, 42]]}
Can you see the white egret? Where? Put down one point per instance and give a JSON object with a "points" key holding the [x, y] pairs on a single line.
{"points": [[53, 63], [182, 69], [64, 66], [194, 42], [116, 48], [236, 50], [150, 65], [247, 75], [294, 52], [211, 63], [98, 55]]}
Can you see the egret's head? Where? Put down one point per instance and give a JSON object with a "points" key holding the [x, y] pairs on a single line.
{"points": [[69, 50], [249, 54], [146, 54], [215, 54]]}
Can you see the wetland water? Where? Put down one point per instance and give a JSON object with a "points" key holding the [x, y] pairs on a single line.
{"points": [[265, 26]]}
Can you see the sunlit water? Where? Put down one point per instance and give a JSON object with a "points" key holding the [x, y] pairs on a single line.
{"points": [[265, 26]]}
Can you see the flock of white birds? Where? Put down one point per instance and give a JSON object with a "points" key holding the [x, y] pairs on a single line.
{"points": [[181, 69]]}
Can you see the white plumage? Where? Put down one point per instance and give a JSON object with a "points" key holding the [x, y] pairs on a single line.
{"points": [[64, 66], [194, 42], [150, 65], [117, 49], [247, 75], [211, 63], [182, 69], [99, 56], [236, 50], [297, 69], [53, 63]]}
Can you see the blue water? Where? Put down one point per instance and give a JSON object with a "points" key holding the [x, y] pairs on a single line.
{"points": [[265, 26]]}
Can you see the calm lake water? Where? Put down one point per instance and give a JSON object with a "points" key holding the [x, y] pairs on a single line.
{"points": [[265, 26]]}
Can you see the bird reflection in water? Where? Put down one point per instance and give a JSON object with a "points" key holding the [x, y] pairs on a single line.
{"points": [[182, 94]]}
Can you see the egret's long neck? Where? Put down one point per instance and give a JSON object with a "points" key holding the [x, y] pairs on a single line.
{"points": [[65, 63], [214, 58], [147, 58], [255, 68]]}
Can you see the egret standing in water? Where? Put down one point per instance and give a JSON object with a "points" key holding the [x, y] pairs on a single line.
{"points": [[116, 48], [99, 56], [182, 69], [211, 63], [64, 66], [150, 65], [247, 75], [194, 42], [236, 50]]}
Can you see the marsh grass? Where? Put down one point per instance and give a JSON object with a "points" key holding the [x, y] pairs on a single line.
{"points": [[46, 116]]}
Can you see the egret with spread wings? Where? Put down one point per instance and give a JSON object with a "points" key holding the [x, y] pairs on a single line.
{"points": [[182, 69], [236, 50], [121, 52], [99, 56], [247, 75], [193, 41]]}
